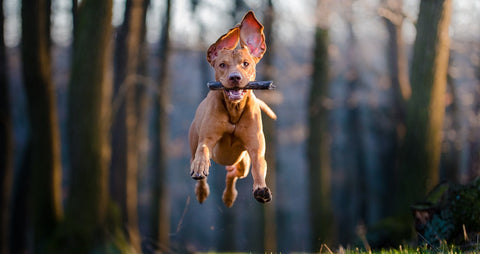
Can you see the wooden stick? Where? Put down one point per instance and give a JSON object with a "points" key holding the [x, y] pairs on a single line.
{"points": [[255, 85]]}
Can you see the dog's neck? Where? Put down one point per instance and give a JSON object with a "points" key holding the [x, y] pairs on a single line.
{"points": [[235, 109]]}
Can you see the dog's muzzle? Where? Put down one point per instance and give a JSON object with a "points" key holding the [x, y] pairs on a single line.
{"points": [[235, 94]]}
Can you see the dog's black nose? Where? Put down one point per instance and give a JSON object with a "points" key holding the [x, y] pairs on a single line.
{"points": [[235, 77]]}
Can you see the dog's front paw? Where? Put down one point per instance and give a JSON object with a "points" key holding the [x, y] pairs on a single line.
{"points": [[263, 195], [199, 168]]}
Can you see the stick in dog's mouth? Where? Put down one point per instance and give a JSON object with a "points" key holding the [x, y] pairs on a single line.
{"points": [[254, 85]]}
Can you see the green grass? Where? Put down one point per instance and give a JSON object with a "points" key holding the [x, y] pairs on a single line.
{"points": [[444, 249], [400, 250]]}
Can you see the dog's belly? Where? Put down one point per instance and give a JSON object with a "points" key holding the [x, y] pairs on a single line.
{"points": [[228, 150]]}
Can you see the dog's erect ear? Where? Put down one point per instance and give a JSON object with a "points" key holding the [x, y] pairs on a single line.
{"points": [[226, 41], [252, 37]]}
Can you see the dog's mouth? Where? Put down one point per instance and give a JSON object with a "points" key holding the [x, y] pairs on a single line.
{"points": [[235, 94]]}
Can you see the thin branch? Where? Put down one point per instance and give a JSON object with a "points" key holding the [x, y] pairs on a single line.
{"points": [[393, 16], [120, 97], [180, 222]]}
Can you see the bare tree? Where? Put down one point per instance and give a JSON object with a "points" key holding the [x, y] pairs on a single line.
{"points": [[270, 130], [393, 17], [46, 159], [420, 153], [143, 98], [450, 155], [318, 142], [90, 222], [350, 160], [475, 170], [124, 167], [74, 12], [160, 206], [6, 142]]}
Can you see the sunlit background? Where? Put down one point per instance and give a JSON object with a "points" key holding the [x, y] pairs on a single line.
{"points": [[196, 227]]}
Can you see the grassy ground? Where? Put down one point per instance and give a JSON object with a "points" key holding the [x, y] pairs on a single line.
{"points": [[400, 250], [444, 249]]}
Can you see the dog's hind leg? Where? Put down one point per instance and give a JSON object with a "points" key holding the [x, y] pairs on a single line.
{"points": [[234, 172], [202, 190]]}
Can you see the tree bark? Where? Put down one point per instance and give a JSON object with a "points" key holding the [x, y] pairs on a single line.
{"points": [[270, 132], [450, 155], [88, 127], [46, 159], [318, 142], [74, 12], [6, 142], [19, 219], [160, 207], [420, 153], [143, 98], [392, 14], [475, 171], [124, 167]]}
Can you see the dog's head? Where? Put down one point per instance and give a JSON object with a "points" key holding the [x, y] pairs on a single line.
{"points": [[235, 67]]}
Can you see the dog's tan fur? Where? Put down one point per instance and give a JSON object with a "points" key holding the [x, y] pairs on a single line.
{"points": [[227, 126]]}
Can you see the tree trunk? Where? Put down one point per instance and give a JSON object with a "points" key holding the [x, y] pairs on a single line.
{"points": [[46, 159], [270, 131], [6, 143], [124, 167], [160, 207], [420, 153], [349, 159], [19, 219], [473, 169], [393, 17], [450, 155], [318, 141], [88, 127], [475, 172], [143, 99], [74, 12], [392, 14], [477, 110]]}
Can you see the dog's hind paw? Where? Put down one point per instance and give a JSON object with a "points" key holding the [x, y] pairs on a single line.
{"points": [[263, 195], [229, 197], [202, 190]]}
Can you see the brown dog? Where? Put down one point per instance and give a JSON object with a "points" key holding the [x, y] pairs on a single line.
{"points": [[228, 126]]}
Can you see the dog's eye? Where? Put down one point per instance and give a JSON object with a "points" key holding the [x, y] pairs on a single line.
{"points": [[245, 64], [221, 65]]}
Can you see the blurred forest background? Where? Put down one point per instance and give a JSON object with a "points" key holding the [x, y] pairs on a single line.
{"points": [[377, 102]]}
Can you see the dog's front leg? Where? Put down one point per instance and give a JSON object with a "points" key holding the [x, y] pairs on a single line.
{"points": [[199, 169], [256, 150]]}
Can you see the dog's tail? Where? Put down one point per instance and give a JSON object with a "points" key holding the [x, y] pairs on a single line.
{"points": [[265, 108]]}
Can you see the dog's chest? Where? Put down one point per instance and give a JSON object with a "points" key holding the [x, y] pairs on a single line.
{"points": [[230, 140]]}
